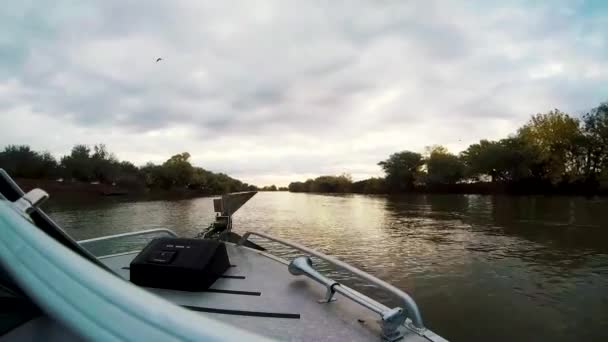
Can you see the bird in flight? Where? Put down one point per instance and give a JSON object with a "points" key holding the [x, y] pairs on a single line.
{"points": [[158, 59]]}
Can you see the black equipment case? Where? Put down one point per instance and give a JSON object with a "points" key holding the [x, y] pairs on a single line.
{"points": [[180, 264]]}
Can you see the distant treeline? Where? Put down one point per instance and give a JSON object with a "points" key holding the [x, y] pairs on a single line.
{"points": [[97, 164], [552, 153], [272, 188]]}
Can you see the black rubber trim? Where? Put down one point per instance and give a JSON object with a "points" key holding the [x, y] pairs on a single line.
{"points": [[126, 268], [244, 293], [11, 305], [243, 313]]}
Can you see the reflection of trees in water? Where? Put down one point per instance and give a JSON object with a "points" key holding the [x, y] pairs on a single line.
{"points": [[562, 224], [560, 229], [408, 208], [89, 220]]}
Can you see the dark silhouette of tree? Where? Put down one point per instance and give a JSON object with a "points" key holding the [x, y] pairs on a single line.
{"points": [[77, 165], [100, 165], [22, 161], [370, 186], [595, 129], [104, 164], [443, 167], [178, 170], [402, 170], [297, 187], [324, 184]]}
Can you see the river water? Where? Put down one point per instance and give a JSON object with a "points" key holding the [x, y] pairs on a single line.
{"points": [[480, 267]]}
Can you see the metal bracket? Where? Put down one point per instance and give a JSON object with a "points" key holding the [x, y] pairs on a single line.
{"points": [[329, 295], [30, 201], [391, 321]]}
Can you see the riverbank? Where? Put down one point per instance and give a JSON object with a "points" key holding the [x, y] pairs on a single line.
{"points": [[74, 190], [521, 188]]}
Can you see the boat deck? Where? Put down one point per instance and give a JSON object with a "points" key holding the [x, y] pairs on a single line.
{"points": [[258, 294]]}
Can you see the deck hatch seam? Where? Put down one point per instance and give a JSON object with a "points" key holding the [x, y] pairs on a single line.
{"points": [[235, 292], [243, 313]]}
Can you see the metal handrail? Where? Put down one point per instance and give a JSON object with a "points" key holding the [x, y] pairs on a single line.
{"points": [[408, 301], [142, 232]]}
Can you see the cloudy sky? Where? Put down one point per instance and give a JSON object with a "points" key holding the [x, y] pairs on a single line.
{"points": [[274, 91]]}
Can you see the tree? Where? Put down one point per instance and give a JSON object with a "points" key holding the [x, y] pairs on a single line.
{"points": [[595, 129], [438, 149], [558, 139], [297, 187], [510, 159], [443, 167], [519, 160], [22, 161], [308, 185], [178, 169], [199, 178], [483, 159], [402, 169], [47, 166], [129, 176], [78, 164], [369, 186], [99, 164], [331, 184], [104, 164]]}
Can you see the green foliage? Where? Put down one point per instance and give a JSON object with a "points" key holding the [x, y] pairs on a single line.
{"points": [[505, 160], [105, 166], [178, 170], [520, 160], [483, 159], [595, 130], [443, 167], [559, 141], [369, 186], [402, 169], [78, 164], [99, 165], [298, 187], [331, 184], [21, 161], [325, 184], [128, 175]]}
